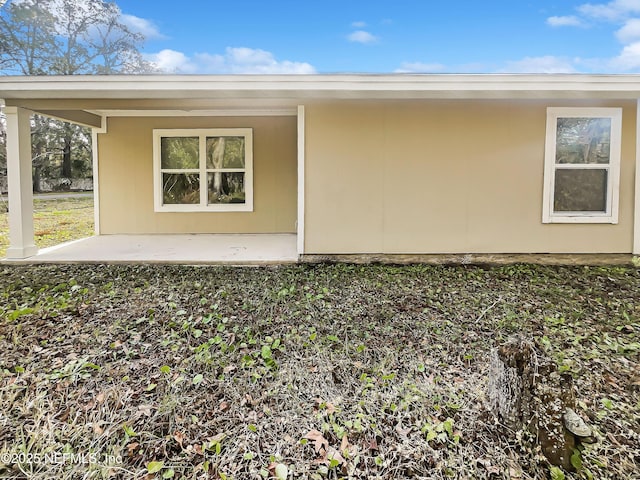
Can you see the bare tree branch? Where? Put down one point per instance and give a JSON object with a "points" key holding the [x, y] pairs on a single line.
{"points": [[64, 37]]}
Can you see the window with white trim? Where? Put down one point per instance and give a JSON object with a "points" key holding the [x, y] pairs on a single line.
{"points": [[203, 170], [582, 165]]}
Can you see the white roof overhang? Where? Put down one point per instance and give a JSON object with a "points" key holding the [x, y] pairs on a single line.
{"points": [[99, 93], [301, 87]]}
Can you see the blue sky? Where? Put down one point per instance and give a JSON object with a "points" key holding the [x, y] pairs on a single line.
{"points": [[329, 36]]}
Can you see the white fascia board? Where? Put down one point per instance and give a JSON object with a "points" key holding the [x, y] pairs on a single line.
{"points": [[322, 86], [228, 112]]}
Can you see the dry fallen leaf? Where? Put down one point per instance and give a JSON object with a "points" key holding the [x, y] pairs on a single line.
{"points": [[145, 409], [217, 438], [373, 444], [333, 454], [514, 473], [491, 469], [403, 432], [320, 443], [132, 447], [178, 437], [344, 445]]}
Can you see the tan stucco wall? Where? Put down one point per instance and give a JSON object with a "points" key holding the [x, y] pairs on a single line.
{"points": [[444, 177], [126, 178]]}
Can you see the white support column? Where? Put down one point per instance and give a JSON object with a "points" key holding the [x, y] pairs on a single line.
{"points": [[20, 183], [96, 177], [636, 214], [96, 184], [301, 181]]}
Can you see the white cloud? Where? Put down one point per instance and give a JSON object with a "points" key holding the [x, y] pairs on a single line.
{"points": [[630, 31], [544, 64], [623, 13], [359, 24], [629, 58], [419, 67], [171, 61], [565, 21], [142, 26], [612, 11], [362, 36], [248, 60], [235, 60]]}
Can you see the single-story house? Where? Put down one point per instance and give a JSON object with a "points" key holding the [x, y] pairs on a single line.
{"points": [[379, 165]]}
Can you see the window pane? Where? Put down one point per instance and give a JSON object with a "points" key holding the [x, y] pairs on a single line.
{"points": [[580, 190], [180, 188], [226, 187], [225, 152], [583, 140], [179, 152]]}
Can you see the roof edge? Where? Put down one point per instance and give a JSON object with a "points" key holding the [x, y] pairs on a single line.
{"points": [[320, 86]]}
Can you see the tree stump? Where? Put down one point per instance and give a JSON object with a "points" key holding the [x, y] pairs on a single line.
{"points": [[527, 392]]}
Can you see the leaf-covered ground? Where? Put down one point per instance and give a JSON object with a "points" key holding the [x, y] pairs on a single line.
{"points": [[55, 220], [332, 371]]}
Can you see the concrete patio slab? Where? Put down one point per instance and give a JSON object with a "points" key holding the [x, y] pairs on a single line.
{"points": [[181, 249]]}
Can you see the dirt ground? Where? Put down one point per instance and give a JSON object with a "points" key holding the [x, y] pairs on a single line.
{"points": [[326, 371]]}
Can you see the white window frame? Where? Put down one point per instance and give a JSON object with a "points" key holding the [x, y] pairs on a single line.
{"points": [[613, 167], [202, 170]]}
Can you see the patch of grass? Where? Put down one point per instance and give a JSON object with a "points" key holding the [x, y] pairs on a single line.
{"points": [[333, 371], [55, 221]]}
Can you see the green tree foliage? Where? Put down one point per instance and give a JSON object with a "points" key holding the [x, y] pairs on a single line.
{"points": [[65, 37], [583, 140], [225, 153], [52, 142], [180, 153], [180, 162], [233, 155], [181, 188]]}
